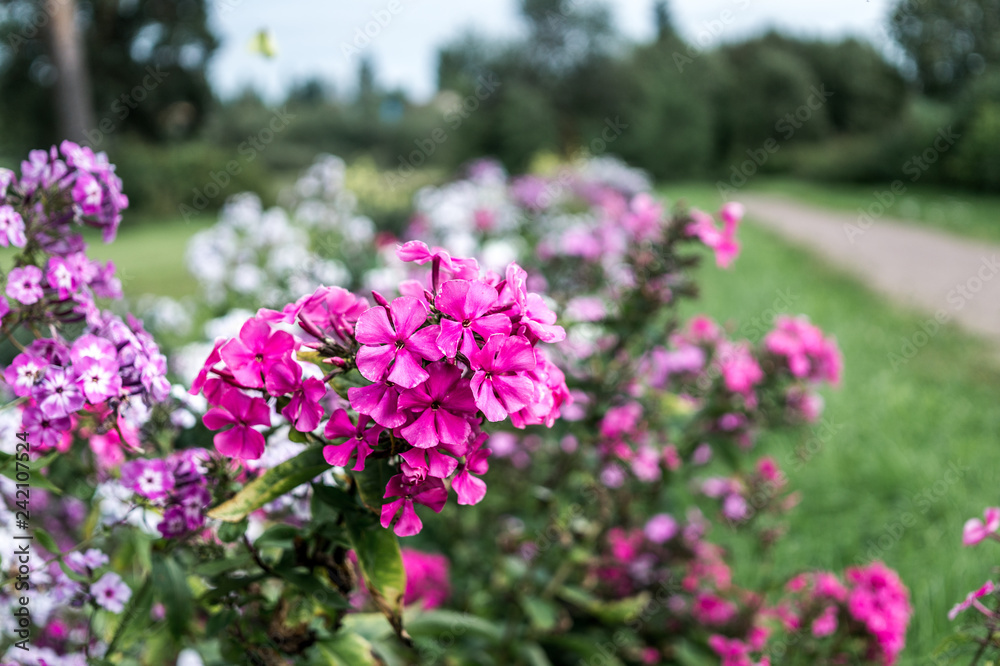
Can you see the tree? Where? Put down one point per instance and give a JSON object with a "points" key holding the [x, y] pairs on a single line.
{"points": [[947, 41], [146, 61], [72, 86]]}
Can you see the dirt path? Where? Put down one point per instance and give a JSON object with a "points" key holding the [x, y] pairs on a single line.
{"points": [[934, 272]]}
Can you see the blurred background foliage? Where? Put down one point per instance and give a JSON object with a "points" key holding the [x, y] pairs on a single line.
{"points": [[691, 113]]}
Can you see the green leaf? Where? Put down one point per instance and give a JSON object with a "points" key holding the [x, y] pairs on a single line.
{"points": [[172, 588], [381, 564], [541, 613], [276, 535], [441, 622], [232, 532], [371, 482], [533, 654], [335, 498], [209, 568], [137, 603], [46, 541], [348, 380], [611, 612], [272, 484], [79, 578], [345, 649]]}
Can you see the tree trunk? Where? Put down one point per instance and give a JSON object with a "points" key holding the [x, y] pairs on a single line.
{"points": [[72, 90]]}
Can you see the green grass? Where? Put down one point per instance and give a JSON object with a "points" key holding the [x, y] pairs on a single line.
{"points": [[148, 256], [897, 432], [965, 213]]}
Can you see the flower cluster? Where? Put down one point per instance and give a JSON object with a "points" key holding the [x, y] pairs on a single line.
{"points": [[873, 604], [176, 484], [454, 349], [809, 355], [112, 370]]}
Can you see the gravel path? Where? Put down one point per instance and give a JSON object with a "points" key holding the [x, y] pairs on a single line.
{"points": [[941, 275]]}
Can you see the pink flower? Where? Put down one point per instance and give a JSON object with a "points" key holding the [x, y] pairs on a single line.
{"points": [[471, 490], [24, 284], [380, 401], [712, 610], [57, 394], [419, 253], [880, 601], [304, 410], [61, 277], [661, 528], [257, 347], [740, 370], [426, 578], [48, 429], [643, 217], [971, 600], [443, 406], [498, 387], [976, 530], [430, 492], [466, 306], [534, 314], [242, 412], [624, 545], [723, 241], [826, 623], [11, 227], [99, 379], [396, 341], [360, 439], [111, 593], [22, 374]]}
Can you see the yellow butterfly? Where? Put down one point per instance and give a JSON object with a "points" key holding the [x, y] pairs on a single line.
{"points": [[264, 43]]}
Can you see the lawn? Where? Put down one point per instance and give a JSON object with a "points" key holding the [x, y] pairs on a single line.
{"points": [[149, 255], [905, 457]]}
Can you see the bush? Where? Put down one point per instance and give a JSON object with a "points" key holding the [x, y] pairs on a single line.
{"points": [[158, 179]]}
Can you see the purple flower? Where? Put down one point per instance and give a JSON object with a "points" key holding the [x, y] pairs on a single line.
{"points": [[57, 394], [87, 194], [151, 479], [93, 559], [93, 347], [242, 412], [359, 438], [174, 523], [24, 372], [11, 227], [394, 340], [48, 429], [61, 277], [468, 304], [25, 284], [496, 384], [99, 379], [111, 592], [443, 406]]}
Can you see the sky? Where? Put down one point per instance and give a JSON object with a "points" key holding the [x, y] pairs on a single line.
{"points": [[327, 39]]}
